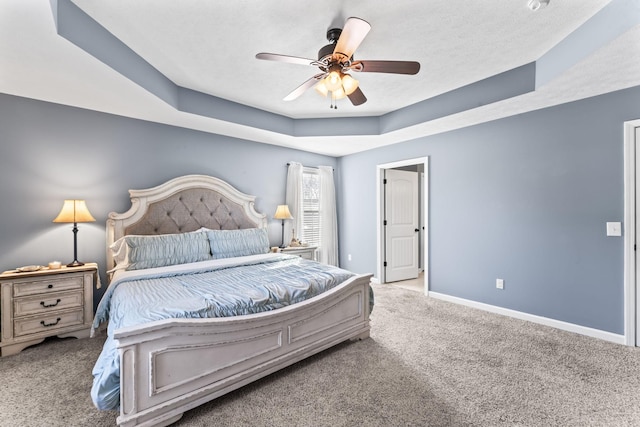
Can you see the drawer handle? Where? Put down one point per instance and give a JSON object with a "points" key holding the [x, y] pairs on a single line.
{"points": [[50, 324], [50, 286], [50, 305]]}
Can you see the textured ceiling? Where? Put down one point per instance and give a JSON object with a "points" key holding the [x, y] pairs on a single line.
{"points": [[210, 47]]}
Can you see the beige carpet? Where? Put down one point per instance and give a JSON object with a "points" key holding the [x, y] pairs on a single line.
{"points": [[427, 363]]}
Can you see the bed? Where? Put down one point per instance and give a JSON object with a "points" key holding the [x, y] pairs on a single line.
{"points": [[165, 353]]}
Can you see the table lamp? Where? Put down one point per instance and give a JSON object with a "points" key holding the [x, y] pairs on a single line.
{"points": [[74, 211], [282, 212]]}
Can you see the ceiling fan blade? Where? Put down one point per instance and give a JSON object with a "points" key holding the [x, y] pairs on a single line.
{"points": [[285, 58], [357, 97], [393, 67], [354, 31], [303, 87]]}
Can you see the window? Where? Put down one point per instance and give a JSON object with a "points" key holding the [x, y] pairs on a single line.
{"points": [[311, 207], [311, 193]]}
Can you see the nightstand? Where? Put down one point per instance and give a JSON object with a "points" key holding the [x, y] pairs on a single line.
{"points": [[306, 252], [39, 304]]}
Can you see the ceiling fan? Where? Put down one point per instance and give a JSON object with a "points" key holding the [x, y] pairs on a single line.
{"points": [[336, 59]]}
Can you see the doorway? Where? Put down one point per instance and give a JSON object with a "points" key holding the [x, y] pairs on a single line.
{"points": [[631, 221], [421, 164]]}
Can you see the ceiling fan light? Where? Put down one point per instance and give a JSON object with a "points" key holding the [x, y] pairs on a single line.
{"points": [[349, 84], [338, 94], [333, 81], [321, 88]]}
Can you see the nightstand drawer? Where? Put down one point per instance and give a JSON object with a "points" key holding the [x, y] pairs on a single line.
{"points": [[34, 325], [48, 284], [306, 252], [46, 303], [306, 255]]}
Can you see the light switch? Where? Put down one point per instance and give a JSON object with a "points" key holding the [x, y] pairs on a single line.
{"points": [[614, 229]]}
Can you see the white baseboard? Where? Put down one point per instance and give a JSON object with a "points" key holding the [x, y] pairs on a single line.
{"points": [[565, 326]]}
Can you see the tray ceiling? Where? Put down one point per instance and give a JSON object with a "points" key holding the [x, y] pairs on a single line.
{"points": [[208, 48]]}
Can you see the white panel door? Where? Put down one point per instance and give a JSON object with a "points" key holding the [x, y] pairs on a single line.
{"points": [[401, 230], [637, 238]]}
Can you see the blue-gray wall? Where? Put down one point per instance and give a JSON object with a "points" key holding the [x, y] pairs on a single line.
{"points": [[50, 152], [524, 199]]}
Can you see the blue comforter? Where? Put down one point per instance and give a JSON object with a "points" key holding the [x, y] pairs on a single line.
{"points": [[218, 288]]}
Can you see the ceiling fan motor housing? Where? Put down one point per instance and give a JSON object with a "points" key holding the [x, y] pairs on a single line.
{"points": [[333, 34], [325, 52]]}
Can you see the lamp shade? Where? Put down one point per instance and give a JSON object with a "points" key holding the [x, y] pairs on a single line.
{"points": [[338, 94], [321, 88], [333, 81], [282, 212], [74, 211], [349, 84]]}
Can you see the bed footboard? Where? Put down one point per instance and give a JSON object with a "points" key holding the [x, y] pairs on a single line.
{"points": [[173, 365]]}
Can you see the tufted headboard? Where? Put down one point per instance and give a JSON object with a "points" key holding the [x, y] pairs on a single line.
{"points": [[184, 204]]}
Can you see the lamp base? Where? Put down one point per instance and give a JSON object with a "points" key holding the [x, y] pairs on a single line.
{"points": [[282, 245], [75, 263]]}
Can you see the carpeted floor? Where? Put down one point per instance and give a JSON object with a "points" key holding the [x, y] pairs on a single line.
{"points": [[427, 363]]}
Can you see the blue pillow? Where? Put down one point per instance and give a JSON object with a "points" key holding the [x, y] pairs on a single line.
{"points": [[233, 243], [136, 252]]}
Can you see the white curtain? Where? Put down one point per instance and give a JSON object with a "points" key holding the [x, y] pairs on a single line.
{"points": [[293, 198], [328, 251]]}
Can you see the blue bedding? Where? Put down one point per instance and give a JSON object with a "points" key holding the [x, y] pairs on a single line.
{"points": [[218, 288]]}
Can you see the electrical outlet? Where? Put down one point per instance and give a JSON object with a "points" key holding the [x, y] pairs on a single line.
{"points": [[499, 283], [349, 257]]}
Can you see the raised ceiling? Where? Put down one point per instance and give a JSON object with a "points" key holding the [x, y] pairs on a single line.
{"points": [[569, 50]]}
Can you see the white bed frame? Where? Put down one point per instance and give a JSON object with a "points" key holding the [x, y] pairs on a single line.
{"points": [[173, 365]]}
